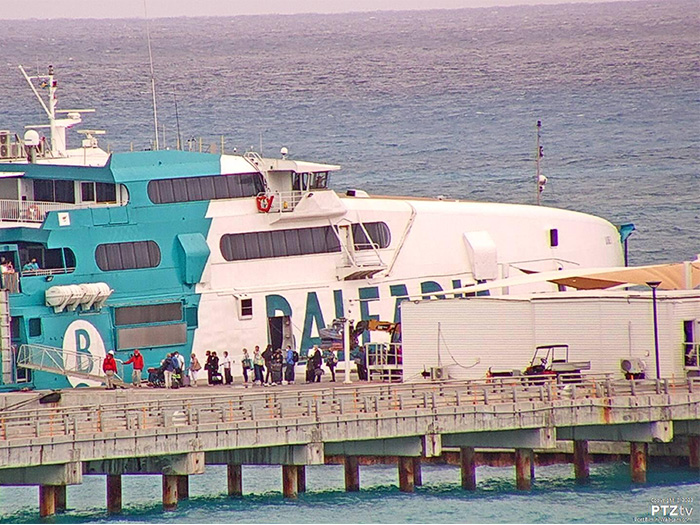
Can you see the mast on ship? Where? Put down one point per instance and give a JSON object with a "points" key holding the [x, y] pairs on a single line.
{"points": [[57, 126], [540, 180]]}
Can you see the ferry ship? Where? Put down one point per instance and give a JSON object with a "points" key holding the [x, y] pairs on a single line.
{"points": [[186, 251]]}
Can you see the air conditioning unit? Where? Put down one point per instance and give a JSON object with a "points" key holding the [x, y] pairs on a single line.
{"points": [[437, 373], [633, 365]]}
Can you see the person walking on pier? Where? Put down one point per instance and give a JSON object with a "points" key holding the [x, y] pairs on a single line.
{"points": [[258, 364], [246, 364], [331, 362], [109, 367], [136, 360], [195, 367]]}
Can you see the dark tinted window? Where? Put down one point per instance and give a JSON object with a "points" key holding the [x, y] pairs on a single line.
{"points": [[127, 255], [152, 313], [212, 187], [281, 243]]}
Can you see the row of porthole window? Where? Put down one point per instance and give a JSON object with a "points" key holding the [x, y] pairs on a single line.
{"points": [[246, 246]]}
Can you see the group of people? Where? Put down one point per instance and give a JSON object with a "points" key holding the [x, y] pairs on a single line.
{"points": [[269, 368]]}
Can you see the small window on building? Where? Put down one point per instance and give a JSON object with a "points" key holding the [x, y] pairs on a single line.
{"points": [[35, 327], [246, 308], [553, 237]]}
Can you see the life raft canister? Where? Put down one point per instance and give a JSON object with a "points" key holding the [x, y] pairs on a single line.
{"points": [[264, 202]]}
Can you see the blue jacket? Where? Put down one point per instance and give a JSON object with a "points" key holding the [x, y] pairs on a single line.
{"points": [[290, 357]]}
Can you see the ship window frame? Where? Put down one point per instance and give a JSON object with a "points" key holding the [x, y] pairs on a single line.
{"points": [[110, 257], [246, 246], [379, 235], [148, 314], [205, 188]]}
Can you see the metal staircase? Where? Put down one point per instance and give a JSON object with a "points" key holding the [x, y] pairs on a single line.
{"points": [[66, 362], [360, 261]]}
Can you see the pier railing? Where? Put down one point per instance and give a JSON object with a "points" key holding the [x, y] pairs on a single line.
{"points": [[285, 407]]}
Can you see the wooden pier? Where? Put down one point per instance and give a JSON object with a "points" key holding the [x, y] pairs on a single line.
{"points": [[177, 433]]}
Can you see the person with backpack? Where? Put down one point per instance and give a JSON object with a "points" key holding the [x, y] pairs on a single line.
{"points": [[246, 364], [291, 359]]}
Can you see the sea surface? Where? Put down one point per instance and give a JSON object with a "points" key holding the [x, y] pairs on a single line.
{"points": [[441, 102]]}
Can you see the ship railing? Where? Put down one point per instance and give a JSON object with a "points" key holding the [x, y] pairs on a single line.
{"points": [[281, 408], [284, 201], [13, 210], [65, 362], [383, 362]]}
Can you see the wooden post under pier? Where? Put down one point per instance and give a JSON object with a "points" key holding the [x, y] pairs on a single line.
{"points": [[235, 480], [523, 475], [581, 461], [468, 468], [169, 492], [183, 487], [638, 461], [301, 478], [694, 452], [352, 474], [47, 500], [406, 479], [290, 481], [417, 472], [60, 498], [114, 493]]}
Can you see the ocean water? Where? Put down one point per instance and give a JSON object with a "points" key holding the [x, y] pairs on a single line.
{"points": [[409, 103], [441, 102], [554, 498]]}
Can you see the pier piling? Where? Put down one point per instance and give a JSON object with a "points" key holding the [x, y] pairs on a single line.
{"points": [[417, 472], [60, 498], [290, 481], [183, 487], [523, 475], [301, 478], [47, 500], [352, 474], [468, 467], [694, 452], [169, 492], [638, 461], [114, 493], [235, 480], [581, 461], [406, 479]]}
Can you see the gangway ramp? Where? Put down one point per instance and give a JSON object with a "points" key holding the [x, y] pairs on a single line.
{"points": [[66, 362]]}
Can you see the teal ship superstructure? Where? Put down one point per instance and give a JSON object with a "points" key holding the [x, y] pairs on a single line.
{"points": [[183, 251]]}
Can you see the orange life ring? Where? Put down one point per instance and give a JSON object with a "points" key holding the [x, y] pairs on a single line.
{"points": [[33, 212], [264, 202]]}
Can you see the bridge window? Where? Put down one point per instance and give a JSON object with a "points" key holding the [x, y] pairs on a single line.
{"points": [[211, 187], [127, 255], [147, 314], [379, 235], [280, 243], [35, 327]]}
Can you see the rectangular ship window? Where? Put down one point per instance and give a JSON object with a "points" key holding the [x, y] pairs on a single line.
{"points": [[146, 314]]}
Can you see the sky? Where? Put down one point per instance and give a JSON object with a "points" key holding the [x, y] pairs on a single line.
{"points": [[170, 8]]}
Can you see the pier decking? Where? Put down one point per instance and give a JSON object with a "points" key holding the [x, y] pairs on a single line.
{"points": [[177, 433]]}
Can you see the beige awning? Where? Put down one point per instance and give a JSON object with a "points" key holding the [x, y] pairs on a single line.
{"points": [[674, 276]]}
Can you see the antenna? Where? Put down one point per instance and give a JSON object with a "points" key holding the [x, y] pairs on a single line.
{"points": [[153, 77]]}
